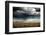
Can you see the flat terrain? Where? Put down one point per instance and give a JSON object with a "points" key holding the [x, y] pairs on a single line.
{"points": [[22, 24]]}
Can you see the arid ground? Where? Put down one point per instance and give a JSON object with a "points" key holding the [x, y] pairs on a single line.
{"points": [[22, 24]]}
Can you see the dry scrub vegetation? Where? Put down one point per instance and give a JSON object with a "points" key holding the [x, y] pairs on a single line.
{"points": [[22, 24]]}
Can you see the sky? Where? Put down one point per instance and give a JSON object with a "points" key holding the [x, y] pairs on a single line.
{"points": [[26, 12]]}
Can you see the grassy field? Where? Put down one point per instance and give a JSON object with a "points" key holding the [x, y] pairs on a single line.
{"points": [[22, 24]]}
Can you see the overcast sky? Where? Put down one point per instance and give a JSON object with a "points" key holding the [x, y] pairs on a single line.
{"points": [[28, 10]]}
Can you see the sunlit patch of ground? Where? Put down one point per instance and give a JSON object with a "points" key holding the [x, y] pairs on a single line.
{"points": [[26, 23], [22, 24]]}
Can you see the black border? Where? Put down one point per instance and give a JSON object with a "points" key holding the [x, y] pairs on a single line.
{"points": [[7, 16]]}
